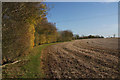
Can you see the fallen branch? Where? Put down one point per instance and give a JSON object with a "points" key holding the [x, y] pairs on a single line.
{"points": [[10, 63]]}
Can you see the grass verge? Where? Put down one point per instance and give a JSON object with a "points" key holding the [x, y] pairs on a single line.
{"points": [[33, 67], [29, 67]]}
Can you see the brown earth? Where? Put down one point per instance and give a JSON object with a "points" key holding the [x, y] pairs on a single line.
{"points": [[86, 58]]}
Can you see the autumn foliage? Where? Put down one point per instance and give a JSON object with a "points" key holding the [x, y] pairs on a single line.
{"points": [[18, 28], [25, 25]]}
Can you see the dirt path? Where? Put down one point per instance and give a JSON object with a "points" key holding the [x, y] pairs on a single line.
{"points": [[89, 58]]}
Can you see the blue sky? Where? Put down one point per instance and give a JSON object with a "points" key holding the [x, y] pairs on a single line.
{"points": [[85, 18]]}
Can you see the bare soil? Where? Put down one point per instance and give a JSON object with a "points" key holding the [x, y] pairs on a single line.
{"points": [[85, 58]]}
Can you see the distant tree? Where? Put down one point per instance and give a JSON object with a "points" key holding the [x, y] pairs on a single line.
{"points": [[65, 35], [76, 36], [90, 36], [114, 35], [101, 37]]}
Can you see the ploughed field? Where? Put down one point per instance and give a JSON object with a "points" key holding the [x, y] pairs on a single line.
{"points": [[85, 58]]}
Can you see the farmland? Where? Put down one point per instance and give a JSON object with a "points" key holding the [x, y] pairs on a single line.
{"points": [[85, 58]]}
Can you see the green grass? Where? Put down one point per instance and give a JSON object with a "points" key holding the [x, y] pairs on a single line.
{"points": [[29, 66], [33, 67]]}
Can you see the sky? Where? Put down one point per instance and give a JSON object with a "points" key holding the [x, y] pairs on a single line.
{"points": [[85, 18], [59, 0]]}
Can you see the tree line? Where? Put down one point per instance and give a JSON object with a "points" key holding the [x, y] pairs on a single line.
{"points": [[25, 25], [76, 36]]}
